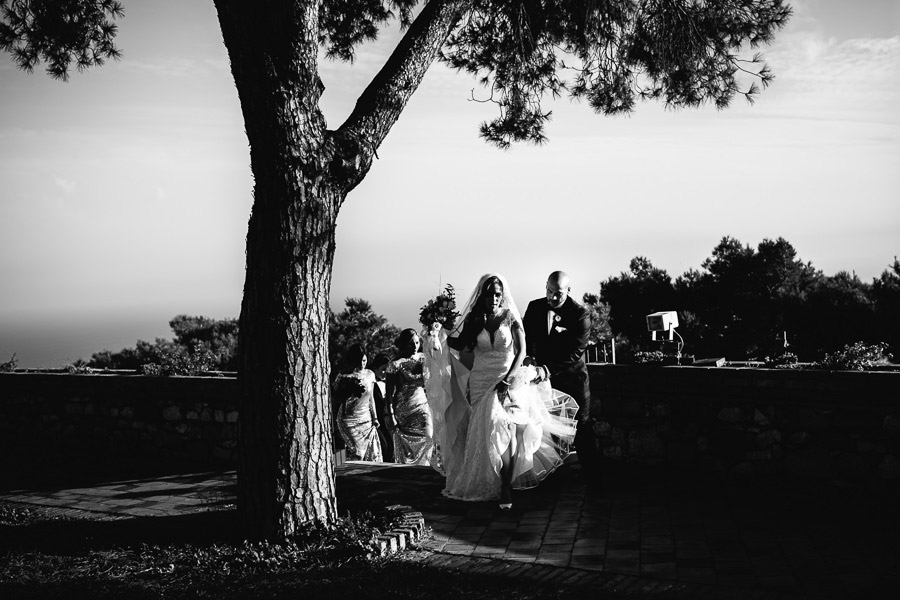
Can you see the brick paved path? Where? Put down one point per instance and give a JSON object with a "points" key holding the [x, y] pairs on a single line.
{"points": [[643, 533]]}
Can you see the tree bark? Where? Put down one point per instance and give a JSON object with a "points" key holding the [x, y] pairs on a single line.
{"points": [[285, 462], [302, 174]]}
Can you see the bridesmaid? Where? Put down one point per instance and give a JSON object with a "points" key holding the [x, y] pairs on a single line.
{"points": [[407, 406], [355, 413]]}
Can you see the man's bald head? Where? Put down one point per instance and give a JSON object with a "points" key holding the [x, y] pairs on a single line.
{"points": [[557, 288]]}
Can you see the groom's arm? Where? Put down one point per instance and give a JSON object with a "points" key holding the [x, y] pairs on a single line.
{"points": [[579, 334]]}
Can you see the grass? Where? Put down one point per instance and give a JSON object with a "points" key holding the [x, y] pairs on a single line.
{"points": [[42, 556]]}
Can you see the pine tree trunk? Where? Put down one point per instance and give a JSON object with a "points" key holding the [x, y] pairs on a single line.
{"points": [[302, 174], [286, 468], [285, 461]]}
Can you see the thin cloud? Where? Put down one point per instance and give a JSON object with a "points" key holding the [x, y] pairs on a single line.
{"points": [[181, 68], [64, 184]]}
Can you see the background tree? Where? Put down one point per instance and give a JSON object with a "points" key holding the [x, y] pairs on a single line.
{"points": [[201, 344], [839, 310], [744, 303], [634, 294], [217, 336], [744, 300], [359, 324], [601, 332], [683, 54]]}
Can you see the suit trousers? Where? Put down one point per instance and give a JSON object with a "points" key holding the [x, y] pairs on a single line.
{"points": [[575, 382]]}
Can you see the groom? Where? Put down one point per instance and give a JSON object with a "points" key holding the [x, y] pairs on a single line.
{"points": [[556, 334]]}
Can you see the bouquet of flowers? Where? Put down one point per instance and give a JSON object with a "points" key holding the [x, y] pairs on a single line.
{"points": [[440, 310]]}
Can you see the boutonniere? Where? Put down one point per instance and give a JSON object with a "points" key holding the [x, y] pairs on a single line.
{"points": [[557, 318]]}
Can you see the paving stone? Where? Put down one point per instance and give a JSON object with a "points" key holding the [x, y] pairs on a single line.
{"points": [[466, 549], [591, 561], [560, 559], [702, 574], [529, 546], [526, 558], [662, 569]]}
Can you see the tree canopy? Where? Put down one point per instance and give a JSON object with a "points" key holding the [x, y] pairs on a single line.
{"points": [[752, 303], [60, 33]]}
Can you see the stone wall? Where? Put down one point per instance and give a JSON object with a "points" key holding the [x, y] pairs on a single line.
{"points": [[126, 416], [841, 426], [837, 426]]}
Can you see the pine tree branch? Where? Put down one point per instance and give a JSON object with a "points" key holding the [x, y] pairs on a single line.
{"points": [[380, 105]]}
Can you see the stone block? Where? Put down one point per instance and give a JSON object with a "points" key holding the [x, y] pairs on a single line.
{"points": [[404, 537], [871, 447], [777, 451], [659, 409], [731, 414], [613, 452], [416, 526], [743, 468], [767, 439], [219, 416], [192, 415], [387, 544], [618, 436], [172, 413], [811, 420], [798, 439], [758, 455], [760, 419], [645, 443], [889, 467], [231, 416], [892, 424], [602, 429]]}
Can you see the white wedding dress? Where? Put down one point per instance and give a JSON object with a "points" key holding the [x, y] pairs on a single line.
{"points": [[477, 432]]}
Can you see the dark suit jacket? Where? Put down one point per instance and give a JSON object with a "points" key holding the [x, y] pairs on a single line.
{"points": [[561, 349]]}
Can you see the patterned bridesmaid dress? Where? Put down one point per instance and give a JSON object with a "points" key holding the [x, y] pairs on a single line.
{"points": [[352, 394], [413, 436]]}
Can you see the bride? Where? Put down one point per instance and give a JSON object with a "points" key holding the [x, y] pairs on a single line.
{"points": [[503, 428]]}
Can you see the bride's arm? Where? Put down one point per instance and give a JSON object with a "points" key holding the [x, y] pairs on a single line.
{"points": [[519, 349]]}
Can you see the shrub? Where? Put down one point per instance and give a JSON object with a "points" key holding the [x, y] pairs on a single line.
{"points": [[10, 365], [179, 361], [787, 360], [655, 357], [856, 357]]}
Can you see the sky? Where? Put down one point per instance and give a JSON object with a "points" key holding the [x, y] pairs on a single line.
{"points": [[125, 192]]}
